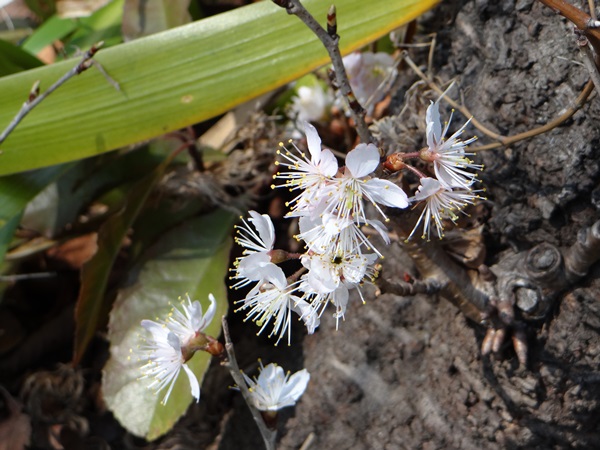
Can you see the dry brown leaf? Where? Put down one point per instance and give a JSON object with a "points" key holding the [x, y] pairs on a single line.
{"points": [[76, 251]]}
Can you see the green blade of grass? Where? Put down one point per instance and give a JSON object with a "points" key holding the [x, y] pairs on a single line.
{"points": [[179, 77]]}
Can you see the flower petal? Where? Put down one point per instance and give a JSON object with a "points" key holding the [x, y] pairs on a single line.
{"points": [[194, 385], [386, 193], [363, 160], [313, 141], [296, 385], [434, 125], [264, 227]]}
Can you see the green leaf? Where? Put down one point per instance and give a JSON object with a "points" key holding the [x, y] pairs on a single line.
{"points": [[92, 301], [16, 191], [179, 77], [51, 30], [59, 204], [103, 25], [192, 258], [14, 60]]}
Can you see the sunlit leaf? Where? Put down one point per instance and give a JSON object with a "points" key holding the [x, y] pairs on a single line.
{"points": [[192, 258], [179, 77], [51, 30]]}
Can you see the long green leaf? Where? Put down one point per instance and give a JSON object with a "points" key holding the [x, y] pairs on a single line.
{"points": [[192, 258], [94, 274], [179, 77]]}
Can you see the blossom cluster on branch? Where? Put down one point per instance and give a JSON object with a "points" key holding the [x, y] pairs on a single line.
{"points": [[330, 202]]}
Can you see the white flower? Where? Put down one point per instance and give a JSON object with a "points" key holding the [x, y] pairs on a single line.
{"points": [[328, 233], [273, 389], [368, 73], [272, 299], [441, 202], [328, 271], [310, 104], [308, 314], [256, 265], [308, 175], [355, 186], [167, 352], [449, 158]]}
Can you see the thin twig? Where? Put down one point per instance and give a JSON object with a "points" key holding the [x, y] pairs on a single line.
{"points": [[269, 436], [330, 42], [403, 288], [26, 276], [592, 6], [504, 140], [579, 18], [35, 98]]}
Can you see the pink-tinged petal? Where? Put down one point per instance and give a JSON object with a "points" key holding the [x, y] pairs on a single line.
{"points": [[194, 385], [264, 227], [352, 63], [363, 160], [386, 193], [329, 164], [313, 141], [434, 125]]}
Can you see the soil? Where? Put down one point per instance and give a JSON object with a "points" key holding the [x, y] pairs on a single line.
{"points": [[407, 372]]}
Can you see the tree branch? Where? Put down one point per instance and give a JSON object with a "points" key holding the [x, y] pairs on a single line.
{"points": [[269, 436], [330, 42], [35, 98]]}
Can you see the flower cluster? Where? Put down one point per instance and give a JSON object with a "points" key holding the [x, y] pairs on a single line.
{"points": [[330, 204], [452, 188], [172, 343]]}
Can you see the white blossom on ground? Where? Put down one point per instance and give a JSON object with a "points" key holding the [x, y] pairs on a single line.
{"points": [[368, 73], [450, 161], [166, 351], [441, 203], [310, 104], [273, 389]]}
